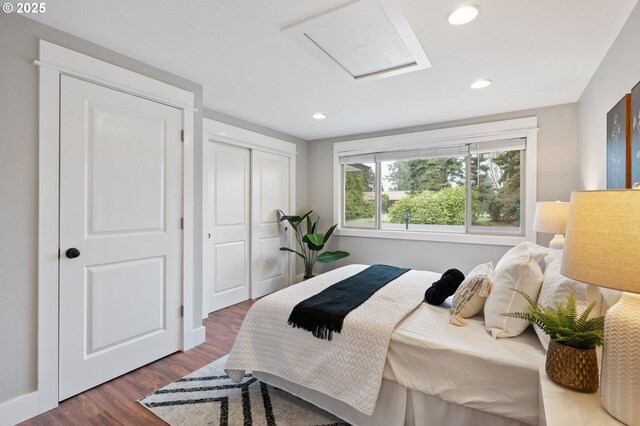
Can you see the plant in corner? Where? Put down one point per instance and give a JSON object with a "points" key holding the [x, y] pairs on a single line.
{"points": [[571, 357], [311, 242]]}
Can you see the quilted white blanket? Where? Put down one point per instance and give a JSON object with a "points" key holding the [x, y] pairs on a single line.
{"points": [[349, 367]]}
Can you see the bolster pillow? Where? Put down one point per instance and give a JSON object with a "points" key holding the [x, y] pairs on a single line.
{"points": [[444, 287]]}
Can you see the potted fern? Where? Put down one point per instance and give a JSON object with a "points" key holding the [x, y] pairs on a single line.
{"points": [[311, 242], [571, 357]]}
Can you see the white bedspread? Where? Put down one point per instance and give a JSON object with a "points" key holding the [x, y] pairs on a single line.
{"points": [[349, 367], [465, 365]]}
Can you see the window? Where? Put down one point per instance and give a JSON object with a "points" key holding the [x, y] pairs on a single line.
{"points": [[424, 194], [360, 195], [464, 186], [496, 191]]}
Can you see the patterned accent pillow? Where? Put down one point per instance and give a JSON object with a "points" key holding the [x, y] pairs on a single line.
{"points": [[470, 296]]}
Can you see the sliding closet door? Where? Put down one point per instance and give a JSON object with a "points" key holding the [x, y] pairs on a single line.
{"points": [[270, 192], [229, 169]]}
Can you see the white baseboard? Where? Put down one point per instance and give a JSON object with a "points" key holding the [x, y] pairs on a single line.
{"points": [[200, 336], [194, 338], [19, 409], [26, 406]]}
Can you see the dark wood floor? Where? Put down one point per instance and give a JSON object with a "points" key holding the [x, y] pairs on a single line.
{"points": [[115, 402]]}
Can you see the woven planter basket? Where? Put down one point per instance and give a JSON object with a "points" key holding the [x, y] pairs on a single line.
{"points": [[572, 368]]}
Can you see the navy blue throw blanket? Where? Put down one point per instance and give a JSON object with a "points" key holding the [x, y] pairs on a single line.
{"points": [[323, 313]]}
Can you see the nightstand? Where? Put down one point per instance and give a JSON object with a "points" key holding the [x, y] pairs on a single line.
{"points": [[560, 406]]}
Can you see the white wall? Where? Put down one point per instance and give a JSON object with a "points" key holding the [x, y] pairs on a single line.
{"points": [[618, 72], [562, 167], [557, 177], [19, 193]]}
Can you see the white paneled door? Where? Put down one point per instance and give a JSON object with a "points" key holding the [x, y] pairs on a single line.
{"points": [[120, 233], [229, 239], [270, 192]]}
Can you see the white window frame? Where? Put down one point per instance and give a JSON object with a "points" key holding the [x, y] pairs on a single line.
{"points": [[475, 133]]}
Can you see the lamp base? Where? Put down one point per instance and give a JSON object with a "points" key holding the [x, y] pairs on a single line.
{"points": [[557, 243], [620, 379]]}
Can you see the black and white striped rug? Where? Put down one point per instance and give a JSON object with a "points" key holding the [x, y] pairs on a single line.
{"points": [[208, 397]]}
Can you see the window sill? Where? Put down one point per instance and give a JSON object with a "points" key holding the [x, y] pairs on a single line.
{"points": [[493, 240]]}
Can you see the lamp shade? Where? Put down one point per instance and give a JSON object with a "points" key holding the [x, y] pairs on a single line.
{"points": [[603, 239], [551, 217]]}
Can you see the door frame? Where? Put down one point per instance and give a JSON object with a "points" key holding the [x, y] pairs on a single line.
{"points": [[217, 131], [56, 60]]}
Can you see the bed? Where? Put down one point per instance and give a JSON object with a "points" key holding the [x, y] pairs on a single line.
{"points": [[422, 370]]}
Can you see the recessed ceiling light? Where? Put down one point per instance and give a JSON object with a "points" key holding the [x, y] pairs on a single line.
{"points": [[479, 84], [464, 14], [319, 116]]}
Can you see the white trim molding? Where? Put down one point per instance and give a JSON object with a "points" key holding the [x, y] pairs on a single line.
{"points": [[56, 60], [233, 135], [70, 62], [476, 133], [48, 222], [18, 409], [195, 337], [106, 83]]}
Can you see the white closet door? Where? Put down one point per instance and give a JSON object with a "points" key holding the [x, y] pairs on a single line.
{"points": [[120, 209], [229, 174], [270, 192]]}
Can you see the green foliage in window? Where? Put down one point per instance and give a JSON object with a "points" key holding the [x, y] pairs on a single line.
{"points": [[434, 174], [385, 203], [510, 164], [496, 190], [356, 207], [434, 191], [443, 207]]}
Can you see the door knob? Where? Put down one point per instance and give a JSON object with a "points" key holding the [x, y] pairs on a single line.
{"points": [[72, 253]]}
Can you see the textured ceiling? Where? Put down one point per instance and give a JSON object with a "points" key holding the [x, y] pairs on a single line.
{"points": [[537, 52]]}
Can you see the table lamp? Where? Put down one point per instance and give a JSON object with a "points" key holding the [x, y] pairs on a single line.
{"points": [[551, 218], [602, 248]]}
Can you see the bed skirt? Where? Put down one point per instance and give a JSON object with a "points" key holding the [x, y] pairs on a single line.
{"points": [[396, 406]]}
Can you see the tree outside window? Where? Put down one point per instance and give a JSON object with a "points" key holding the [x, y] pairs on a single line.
{"points": [[434, 192]]}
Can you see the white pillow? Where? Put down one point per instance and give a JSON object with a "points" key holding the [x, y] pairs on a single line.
{"points": [[517, 269], [556, 289], [470, 296], [538, 253]]}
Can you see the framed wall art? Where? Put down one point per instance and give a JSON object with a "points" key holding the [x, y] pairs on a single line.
{"points": [[635, 134], [619, 144]]}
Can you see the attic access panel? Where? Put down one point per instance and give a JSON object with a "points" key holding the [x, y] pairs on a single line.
{"points": [[364, 39]]}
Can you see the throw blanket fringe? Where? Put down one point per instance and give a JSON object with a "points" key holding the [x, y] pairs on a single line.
{"points": [[323, 314]]}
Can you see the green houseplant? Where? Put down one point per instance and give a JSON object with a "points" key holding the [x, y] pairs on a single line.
{"points": [[571, 357], [311, 242]]}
